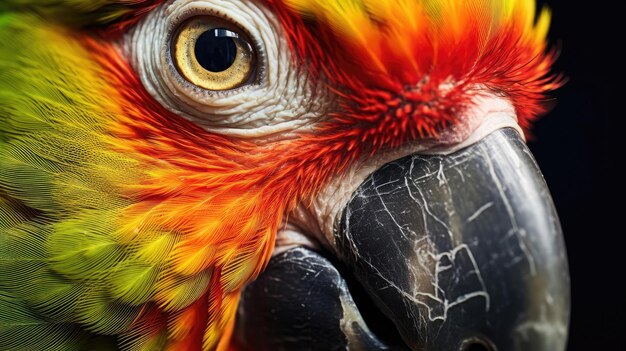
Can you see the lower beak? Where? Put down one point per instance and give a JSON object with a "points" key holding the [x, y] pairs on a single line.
{"points": [[458, 252]]}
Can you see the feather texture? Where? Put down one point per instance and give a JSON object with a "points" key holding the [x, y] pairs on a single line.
{"points": [[114, 15], [124, 224], [112, 209], [408, 69]]}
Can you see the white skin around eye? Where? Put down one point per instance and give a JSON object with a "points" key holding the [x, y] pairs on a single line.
{"points": [[282, 100]]}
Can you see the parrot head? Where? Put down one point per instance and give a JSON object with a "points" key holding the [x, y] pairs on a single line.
{"points": [[276, 175]]}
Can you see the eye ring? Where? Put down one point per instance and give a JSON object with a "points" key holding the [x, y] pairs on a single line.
{"points": [[213, 54]]}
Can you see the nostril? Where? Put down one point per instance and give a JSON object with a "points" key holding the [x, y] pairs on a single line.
{"points": [[475, 347], [477, 344]]}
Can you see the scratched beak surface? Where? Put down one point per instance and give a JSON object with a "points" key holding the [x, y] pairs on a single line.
{"points": [[437, 253]]}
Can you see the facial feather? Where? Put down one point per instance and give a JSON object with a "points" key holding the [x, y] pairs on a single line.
{"points": [[419, 63], [141, 223], [122, 189]]}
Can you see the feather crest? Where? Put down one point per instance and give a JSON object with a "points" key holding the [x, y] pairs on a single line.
{"points": [[432, 55]]}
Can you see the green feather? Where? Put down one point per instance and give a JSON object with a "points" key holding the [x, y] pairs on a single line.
{"points": [[22, 330], [64, 276], [74, 12], [133, 282]]}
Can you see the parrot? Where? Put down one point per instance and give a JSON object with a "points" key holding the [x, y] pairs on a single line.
{"points": [[277, 175]]}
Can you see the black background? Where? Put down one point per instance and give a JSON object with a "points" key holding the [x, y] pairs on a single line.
{"points": [[576, 145]]}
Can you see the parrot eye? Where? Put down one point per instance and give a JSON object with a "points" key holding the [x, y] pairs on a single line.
{"points": [[213, 54], [226, 66]]}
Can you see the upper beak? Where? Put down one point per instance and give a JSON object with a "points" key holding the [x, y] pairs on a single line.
{"points": [[458, 252]]}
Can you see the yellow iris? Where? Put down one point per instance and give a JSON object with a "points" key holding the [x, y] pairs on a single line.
{"points": [[213, 54]]}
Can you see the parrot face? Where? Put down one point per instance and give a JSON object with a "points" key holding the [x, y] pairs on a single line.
{"points": [[276, 174]]}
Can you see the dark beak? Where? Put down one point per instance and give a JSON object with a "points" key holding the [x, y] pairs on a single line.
{"points": [[434, 253]]}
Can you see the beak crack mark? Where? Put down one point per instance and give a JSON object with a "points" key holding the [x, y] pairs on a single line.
{"points": [[515, 230]]}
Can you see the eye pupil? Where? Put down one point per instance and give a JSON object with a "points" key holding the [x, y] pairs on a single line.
{"points": [[216, 50]]}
